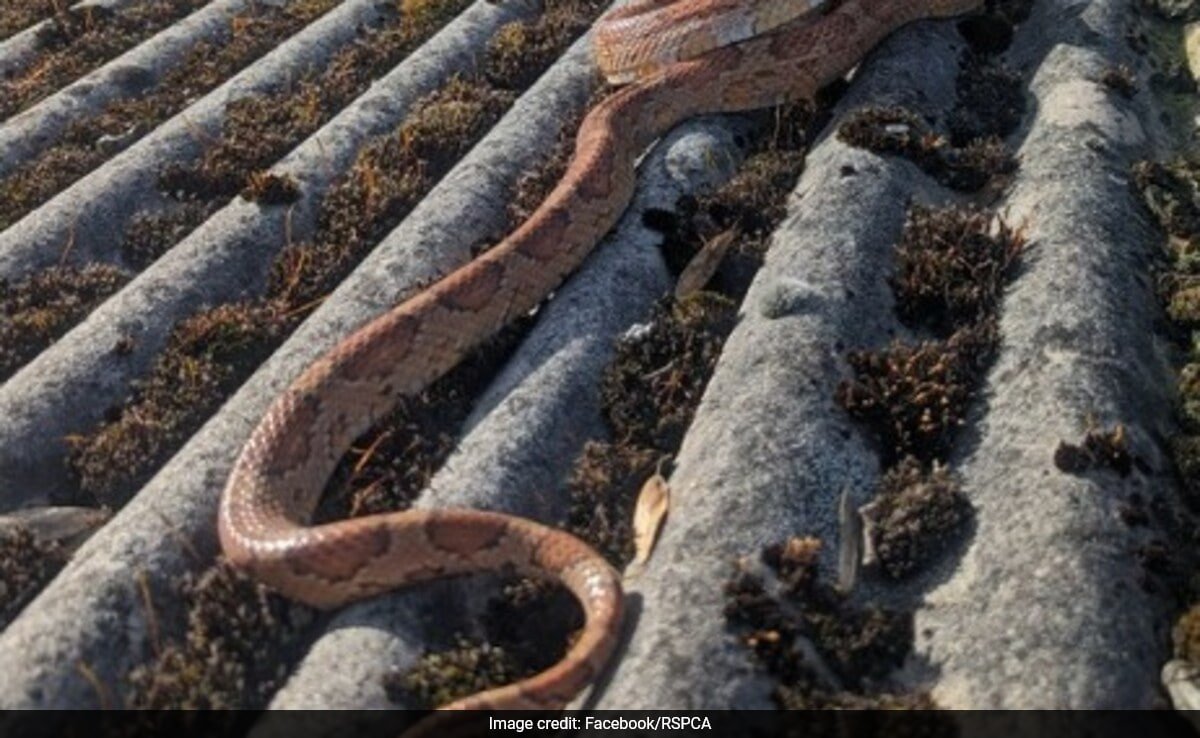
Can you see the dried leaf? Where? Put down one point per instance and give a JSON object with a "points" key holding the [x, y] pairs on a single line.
{"points": [[850, 542], [704, 264], [648, 516]]}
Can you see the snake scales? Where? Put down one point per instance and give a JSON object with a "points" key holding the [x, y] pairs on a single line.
{"points": [[685, 58]]}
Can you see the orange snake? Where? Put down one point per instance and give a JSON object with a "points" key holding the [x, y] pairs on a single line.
{"points": [[687, 57]]}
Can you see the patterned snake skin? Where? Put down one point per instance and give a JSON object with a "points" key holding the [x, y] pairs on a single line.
{"points": [[685, 58]]}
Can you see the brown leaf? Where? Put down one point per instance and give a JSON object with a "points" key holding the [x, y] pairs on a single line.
{"points": [[648, 515], [704, 264]]}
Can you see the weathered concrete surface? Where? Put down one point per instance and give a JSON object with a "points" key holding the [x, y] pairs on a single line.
{"points": [[769, 451], [67, 388], [1048, 608], [530, 425], [92, 611]]}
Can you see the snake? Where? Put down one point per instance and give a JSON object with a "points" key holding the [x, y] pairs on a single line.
{"points": [[672, 60]]}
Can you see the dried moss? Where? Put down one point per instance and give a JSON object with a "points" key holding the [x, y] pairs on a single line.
{"points": [[239, 647], [1121, 79], [750, 205], [775, 616], [901, 132], [205, 358], [520, 51], [37, 311], [17, 16], [89, 141], [80, 39], [654, 383], [1172, 193], [1100, 449], [440, 677], [1186, 635], [150, 235], [525, 628], [951, 266], [915, 397], [990, 101], [259, 129], [26, 566], [604, 487], [915, 515], [266, 188]]}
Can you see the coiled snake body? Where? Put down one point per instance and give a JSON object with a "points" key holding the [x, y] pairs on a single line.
{"points": [[688, 57]]}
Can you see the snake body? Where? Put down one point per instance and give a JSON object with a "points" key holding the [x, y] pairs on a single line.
{"points": [[712, 56]]}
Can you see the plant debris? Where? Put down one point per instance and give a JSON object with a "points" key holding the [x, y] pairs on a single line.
{"points": [[26, 565], [89, 141], [916, 513], [901, 132], [1100, 449], [822, 651], [37, 311], [236, 650], [80, 39]]}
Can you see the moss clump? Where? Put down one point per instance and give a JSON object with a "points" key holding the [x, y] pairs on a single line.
{"points": [[952, 265], [440, 677], [917, 512], [901, 132], [604, 487], [1172, 193], [915, 397], [26, 565], [775, 612], [1183, 307], [1100, 449], [656, 379], [990, 101], [750, 205], [37, 311], [1121, 80], [240, 643], [526, 630], [267, 188]]}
